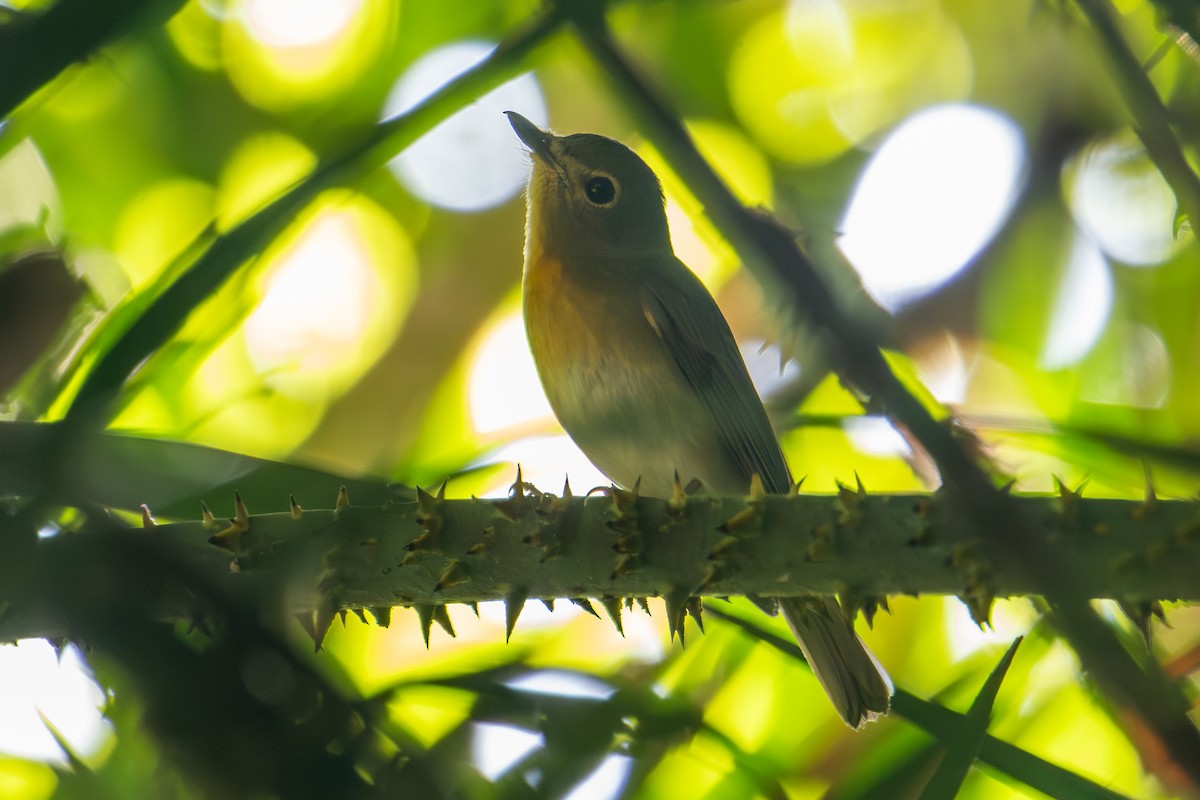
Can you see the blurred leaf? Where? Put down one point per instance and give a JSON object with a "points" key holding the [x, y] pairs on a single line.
{"points": [[946, 782]]}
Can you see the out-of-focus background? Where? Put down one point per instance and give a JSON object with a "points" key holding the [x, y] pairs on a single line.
{"points": [[970, 167]]}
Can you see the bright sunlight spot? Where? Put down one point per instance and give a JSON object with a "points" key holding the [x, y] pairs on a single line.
{"points": [[562, 684], [297, 23], [1009, 619], [503, 389], [875, 436], [1135, 369], [282, 54], [332, 299], [495, 749], [472, 160], [1122, 200], [1085, 298], [605, 781], [935, 193], [36, 682]]}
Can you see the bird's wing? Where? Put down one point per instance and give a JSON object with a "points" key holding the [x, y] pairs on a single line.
{"points": [[687, 320]]}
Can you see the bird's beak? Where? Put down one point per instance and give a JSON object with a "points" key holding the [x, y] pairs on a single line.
{"points": [[536, 139]]}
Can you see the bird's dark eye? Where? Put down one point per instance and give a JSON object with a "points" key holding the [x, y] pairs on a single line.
{"points": [[600, 190]]}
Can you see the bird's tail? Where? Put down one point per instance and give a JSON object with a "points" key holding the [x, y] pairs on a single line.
{"points": [[850, 674]]}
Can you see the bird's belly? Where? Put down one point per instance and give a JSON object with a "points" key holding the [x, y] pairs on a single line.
{"points": [[619, 396]]}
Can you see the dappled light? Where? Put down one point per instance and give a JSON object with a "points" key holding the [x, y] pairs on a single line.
{"points": [[937, 190], [282, 55], [1122, 201], [42, 686], [1081, 308], [469, 162], [281, 492]]}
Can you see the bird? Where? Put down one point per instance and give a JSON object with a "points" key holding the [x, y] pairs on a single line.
{"points": [[643, 373]]}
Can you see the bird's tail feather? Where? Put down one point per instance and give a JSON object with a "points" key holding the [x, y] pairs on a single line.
{"points": [[857, 684]]}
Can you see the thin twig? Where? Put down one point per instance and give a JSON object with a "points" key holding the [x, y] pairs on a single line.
{"points": [[1007, 532]]}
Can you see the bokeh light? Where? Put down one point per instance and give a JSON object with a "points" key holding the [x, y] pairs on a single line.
{"points": [[260, 167], [38, 682], [1119, 197], [822, 76], [497, 748], [1082, 307], [503, 390], [472, 160], [332, 297], [1132, 368], [935, 193], [159, 223], [284, 54]]}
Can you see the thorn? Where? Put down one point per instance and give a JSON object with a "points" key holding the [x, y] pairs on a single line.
{"points": [[585, 604], [678, 498], [383, 616], [206, 516], [514, 602], [710, 577], [613, 606], [455, 574], [768, 605], [323, 618], [1008, 486], [676, 601], [566, 493], [362, 616], [799, 483], [722, 547], [240, 523], [147, 519], [1066, 495], [743, 518], [428, 614], [516, 504], [850, 498], [757, 492], [641, 601], [343, 499], [474, 607], [862, 490], [342, 616], [295, 507], [241, 516], [441, 492], [628, 543], [695, 610], [305, 618], [442, 617], [1150, 502], [548, 602], [425, 615], [624, 500], [623, 566], [427, 502]]}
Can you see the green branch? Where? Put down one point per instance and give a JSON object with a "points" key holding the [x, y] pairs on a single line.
{"points": [[36, 47], [432, 551]]}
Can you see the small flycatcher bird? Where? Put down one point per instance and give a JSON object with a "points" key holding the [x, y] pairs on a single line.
{"points": [[642, 371]]}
